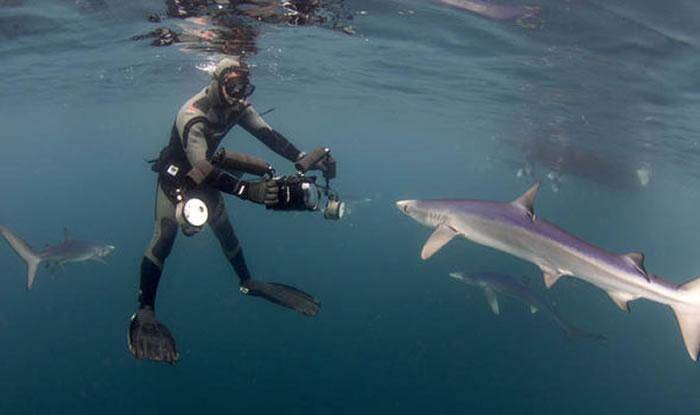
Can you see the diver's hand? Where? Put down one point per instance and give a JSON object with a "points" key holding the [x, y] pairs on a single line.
{"points": [[263, 191], [150, 339]]}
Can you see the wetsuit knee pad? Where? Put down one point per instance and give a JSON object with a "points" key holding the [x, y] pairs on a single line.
{"points": [[168, 231]]}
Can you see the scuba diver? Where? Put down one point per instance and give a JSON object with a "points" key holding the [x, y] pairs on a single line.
{"points": [[189, 166]]}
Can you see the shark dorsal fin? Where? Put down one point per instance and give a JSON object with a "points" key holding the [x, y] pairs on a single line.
{"points": [[637, 259], [527, 200], [66, 235]]}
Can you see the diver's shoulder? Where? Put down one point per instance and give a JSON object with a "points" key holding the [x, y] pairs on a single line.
{"points": [[193, 107], [196, 105]]}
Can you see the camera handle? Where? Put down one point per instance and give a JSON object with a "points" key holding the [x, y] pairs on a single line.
{"points": [[231, 162], [312, 158]]}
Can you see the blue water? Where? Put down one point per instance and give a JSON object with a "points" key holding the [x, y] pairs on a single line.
{"points": [[600, 101]]}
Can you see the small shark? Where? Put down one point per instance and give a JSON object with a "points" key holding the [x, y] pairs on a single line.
{"points": [[70, 250], [523, 14], [512, 227], [494, 284]]}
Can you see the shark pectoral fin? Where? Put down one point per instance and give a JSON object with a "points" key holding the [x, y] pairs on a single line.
{"points": [[31, 273], [533, 309], [550, 276], [621, 299], [493, 300], [440, 237]]}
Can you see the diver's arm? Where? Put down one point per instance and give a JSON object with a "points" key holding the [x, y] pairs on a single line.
{"points": [[203, 172], [263, 191], [256, 125], [194, 140]]}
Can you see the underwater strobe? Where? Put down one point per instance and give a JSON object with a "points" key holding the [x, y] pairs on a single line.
{"points": [[300, 192], [192, 214]]}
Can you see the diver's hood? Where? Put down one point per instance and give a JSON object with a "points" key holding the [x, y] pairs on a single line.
{"points": [[222, 68]]}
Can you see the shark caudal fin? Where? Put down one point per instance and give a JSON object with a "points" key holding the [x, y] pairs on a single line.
{"points": [[23, 250], [688, 317]]}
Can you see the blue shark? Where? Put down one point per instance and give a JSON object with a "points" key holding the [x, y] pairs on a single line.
{"points": [[508, 285], [70, 250], [513, 227]]}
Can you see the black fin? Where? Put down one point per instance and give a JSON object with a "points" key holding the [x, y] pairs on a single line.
{"points": [[283, 295], [150, 339]]}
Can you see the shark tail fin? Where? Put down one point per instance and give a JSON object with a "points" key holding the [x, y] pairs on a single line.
{"points": [[25, 252], [688, 317]]}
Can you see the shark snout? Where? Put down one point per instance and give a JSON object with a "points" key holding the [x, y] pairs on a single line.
{"points": [[457, 275], [107, 249]]}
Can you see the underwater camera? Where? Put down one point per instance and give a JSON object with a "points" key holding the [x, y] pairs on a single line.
{"points": [[300, 192]]}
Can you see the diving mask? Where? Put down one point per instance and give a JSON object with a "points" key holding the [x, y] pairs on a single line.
{"points": [[238, 88]]}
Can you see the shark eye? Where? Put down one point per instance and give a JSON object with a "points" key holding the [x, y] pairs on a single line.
{"points": [[405, 208]]}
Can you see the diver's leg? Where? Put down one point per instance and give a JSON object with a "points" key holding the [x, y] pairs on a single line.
{"points": [[281, 294], [221, 226], [148, 338]]}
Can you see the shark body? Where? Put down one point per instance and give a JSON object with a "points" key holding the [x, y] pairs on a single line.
{"points": [[512, 227], [70, 250], [508, 285]]}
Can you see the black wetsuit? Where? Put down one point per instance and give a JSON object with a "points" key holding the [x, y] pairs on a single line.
{"points": [[201, 124]]}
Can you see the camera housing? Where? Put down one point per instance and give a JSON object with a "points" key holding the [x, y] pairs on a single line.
{"points": [[297, 193], [302, 193]]}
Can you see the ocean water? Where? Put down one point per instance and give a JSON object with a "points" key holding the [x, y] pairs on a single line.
{"points": [[598, 100]]}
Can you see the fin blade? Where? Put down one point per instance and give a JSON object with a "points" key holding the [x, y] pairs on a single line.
{"points": [[688, 320], [621, 300], [32, 268], [637, 258], [25, 252], [492, 300], [688, 317], [550, 277], [691, 286], [439, 238], [527, 200]]}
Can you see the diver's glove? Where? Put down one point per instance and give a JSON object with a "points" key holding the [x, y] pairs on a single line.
{"points": [[263, 191], [283, 295], [150, 339]]}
